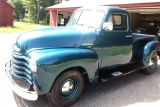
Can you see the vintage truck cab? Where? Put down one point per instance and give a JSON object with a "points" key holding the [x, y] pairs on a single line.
{"points": [[96, 45]]}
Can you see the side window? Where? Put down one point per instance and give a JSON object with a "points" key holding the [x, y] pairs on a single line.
{"points": [[119, 21]]}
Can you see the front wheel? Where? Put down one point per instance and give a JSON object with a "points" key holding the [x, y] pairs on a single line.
{"points": [[152, 64], [66, 89]]}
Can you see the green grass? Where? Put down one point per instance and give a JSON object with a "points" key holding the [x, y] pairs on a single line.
{"points": [[21, 27]]}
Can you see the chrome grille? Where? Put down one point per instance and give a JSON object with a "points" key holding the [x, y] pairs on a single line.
{"points": [[20, 69]]}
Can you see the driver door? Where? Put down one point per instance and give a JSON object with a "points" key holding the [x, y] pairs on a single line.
{"points": [[117, 43]]}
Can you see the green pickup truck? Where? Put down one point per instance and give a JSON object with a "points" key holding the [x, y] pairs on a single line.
{"points": [[96, 45]]}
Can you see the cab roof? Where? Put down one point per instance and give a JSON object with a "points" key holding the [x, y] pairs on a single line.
{"points": [[103, 8]]}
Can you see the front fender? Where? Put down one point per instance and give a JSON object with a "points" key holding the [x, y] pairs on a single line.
{"points": [[149, 49], [51, 62]]}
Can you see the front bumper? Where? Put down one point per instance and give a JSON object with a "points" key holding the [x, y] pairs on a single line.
{"points": [[29, 95]]}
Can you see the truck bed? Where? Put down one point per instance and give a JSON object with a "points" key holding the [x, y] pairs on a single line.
{"points": [[137, 36]]}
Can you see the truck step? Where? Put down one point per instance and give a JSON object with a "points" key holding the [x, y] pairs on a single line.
{"points": [[105, 75]]}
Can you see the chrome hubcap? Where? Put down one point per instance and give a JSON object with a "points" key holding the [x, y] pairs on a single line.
{"points": [[67, 87], [152, 63]]}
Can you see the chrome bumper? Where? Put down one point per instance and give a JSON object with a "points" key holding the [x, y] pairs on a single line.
{"points": [[22, 93]]}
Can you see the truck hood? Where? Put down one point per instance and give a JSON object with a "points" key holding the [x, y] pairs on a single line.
{"points": [[59, 37]]}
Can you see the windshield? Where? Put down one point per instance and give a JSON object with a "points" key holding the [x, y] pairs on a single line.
{"points": [[88, 18]]}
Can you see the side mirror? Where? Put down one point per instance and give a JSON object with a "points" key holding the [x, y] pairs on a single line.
{"points": [[108, 26]]}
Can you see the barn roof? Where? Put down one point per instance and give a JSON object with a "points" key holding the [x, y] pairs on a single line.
{"points": [[121, 3], [9, 5]]}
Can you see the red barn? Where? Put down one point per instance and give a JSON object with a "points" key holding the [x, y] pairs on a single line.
{"points": [[6, 14]]}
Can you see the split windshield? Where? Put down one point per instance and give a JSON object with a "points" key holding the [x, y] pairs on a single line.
{"points": [[88, 18]]}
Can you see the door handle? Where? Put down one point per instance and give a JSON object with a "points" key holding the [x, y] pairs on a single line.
{"points": [[128, 36]]}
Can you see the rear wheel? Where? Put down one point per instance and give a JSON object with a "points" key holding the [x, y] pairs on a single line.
{"points": [[66, 89], [152, 64]]}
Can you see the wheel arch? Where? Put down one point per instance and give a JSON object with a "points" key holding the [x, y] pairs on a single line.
{"points": [[79, 69], [53, 62], [60, 79], [149, 49]]}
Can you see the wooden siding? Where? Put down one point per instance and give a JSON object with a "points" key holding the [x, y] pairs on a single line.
{"points": [[6, 14]]}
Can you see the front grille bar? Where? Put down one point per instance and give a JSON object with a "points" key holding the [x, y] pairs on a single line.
{"points": [[20, 62], [21, 73], [21, 68], [21, 77], [21, 57]]}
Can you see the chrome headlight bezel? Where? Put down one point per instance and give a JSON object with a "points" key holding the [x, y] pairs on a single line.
{"points": [[33, 65]]}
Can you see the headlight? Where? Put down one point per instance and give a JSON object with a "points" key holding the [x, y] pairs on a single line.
{"points": [[33, 65]]}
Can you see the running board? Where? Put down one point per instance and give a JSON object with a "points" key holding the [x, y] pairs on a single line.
{"points": [[120, 71]]}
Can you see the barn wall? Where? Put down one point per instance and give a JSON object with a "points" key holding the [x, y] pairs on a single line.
{"points": [[65, 14], [53, 18], [153, 16], [134, 19], [6, 14]]}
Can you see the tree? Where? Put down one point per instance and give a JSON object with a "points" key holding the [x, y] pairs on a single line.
{"points": [[38, 11], [32, 10], [19, 10], [44, 17]]}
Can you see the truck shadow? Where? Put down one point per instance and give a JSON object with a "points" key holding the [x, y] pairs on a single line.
{"points": [[136, 88]]}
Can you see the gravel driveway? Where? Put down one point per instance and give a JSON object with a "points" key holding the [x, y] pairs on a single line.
{"points": [[134, 90]]}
